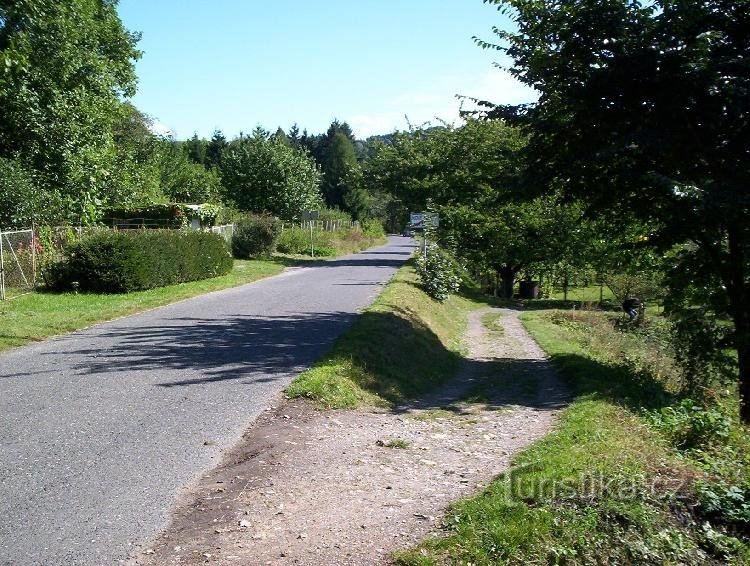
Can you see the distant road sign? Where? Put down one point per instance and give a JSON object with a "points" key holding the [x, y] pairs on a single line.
{"points": [[422, 219], [310, 215]]}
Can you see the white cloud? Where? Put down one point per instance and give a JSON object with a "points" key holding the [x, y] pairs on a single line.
{"points": [[440, 103]]}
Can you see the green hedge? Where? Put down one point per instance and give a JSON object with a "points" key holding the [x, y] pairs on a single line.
{"points": [[116, 261]]}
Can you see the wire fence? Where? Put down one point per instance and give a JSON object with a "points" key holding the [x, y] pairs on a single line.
{"points": [[323, 225], [142, 223], [226, 231], [18, 263]]}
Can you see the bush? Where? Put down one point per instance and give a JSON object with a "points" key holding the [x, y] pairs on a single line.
{"points": [[294, 241], [690, 425], [255, 236], [115, 262], [372, 228], [439, 273]]}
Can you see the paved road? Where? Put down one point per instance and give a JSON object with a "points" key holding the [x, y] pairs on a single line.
{"points": [[100, 429]]}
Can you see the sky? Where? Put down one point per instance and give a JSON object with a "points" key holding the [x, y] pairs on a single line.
{"points": [[237, 64]]}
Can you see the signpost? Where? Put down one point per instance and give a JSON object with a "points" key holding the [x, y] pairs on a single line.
{"points": [[311, 216], [416, 220], [424, 221]]}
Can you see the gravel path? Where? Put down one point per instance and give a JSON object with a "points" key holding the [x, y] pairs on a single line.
{"points": [[100, 429], [310, 487]]}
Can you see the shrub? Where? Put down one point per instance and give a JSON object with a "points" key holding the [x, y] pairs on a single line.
{"points": [[373, 228], [294, 241], [255, 236], [115, 262], [439, 273], [690, 425]]}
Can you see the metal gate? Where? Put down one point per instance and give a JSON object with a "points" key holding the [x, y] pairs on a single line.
{"points": [[18, 258]]}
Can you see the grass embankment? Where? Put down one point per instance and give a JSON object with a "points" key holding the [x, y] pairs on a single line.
{"points": [[36, 316], [610, 486], [400, 347]]}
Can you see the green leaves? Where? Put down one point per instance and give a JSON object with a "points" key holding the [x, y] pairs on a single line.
{"points": [[264, 174], [64, 67]]}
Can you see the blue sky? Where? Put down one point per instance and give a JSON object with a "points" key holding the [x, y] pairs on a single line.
{"points": [[236, 64]]}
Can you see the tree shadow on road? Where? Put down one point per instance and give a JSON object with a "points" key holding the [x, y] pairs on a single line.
{"points": [[195, 351]]}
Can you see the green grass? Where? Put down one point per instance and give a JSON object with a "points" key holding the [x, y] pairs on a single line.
{"points": [[328, 244], [398, 443], [604, 487], [402, 346], [36, 316], [491, 321], [588, 294]]}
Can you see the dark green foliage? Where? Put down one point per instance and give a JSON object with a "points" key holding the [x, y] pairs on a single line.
{"points": [[196, 150], [182, 180], [255, 236], [339, 161], [65, 67], [728, 503], [690, 425], [21, 203], [115, 262], [643, 113], [215, 150], [264, 174]]}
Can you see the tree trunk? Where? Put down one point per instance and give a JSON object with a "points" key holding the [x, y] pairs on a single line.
{"points": [[739, 306], [508, 275], [565, 289], [743, 354]]}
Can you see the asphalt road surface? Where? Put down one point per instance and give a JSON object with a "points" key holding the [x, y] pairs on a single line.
{"points": [[100, 429]]}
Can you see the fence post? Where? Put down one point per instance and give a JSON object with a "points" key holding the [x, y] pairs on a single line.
{"points": [[33, 258], [2, 269]]}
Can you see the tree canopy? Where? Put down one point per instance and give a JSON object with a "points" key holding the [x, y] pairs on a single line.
{"points": [[262, 173], [63, 68], [643, 114]]}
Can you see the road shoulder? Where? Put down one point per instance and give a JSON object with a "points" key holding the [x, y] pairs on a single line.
{"points": [[352, 486]]}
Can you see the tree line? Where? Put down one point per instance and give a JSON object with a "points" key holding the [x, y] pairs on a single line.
{"points": [[73, 147]]}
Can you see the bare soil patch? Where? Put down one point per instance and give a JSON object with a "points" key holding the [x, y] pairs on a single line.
{"points": [[351, 487]]}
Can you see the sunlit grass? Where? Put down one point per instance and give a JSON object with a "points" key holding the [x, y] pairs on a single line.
{"points": [[36, 316], [402, 346]]}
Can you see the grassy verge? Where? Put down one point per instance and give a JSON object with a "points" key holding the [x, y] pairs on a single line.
{"points": [[609, 486], [295, 242], [37, 316], [400, 347]]}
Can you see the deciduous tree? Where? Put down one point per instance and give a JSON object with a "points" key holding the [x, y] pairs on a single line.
{"points": [[643, 111], [63, 68]]}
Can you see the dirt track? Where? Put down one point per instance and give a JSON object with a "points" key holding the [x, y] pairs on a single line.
{"points": [[311, 487]]}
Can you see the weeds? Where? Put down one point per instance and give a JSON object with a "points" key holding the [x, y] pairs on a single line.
{"points": [[398, 443]]}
